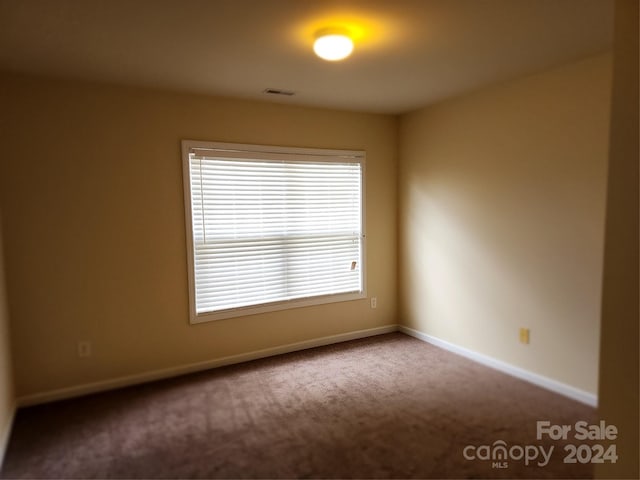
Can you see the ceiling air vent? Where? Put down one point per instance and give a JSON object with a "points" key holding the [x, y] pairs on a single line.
{"points": [[277, 91]]}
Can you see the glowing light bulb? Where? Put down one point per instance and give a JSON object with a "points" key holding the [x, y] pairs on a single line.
{"points": [[333, 45]]}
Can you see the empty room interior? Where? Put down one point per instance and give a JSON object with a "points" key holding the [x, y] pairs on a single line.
{"points": [[229, 249]]}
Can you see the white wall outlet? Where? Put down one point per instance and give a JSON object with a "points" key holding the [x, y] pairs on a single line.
{"points": [[374, 302], [84, 348]]}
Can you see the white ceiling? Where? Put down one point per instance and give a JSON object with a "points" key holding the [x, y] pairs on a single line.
{"points": [[408, 53]]}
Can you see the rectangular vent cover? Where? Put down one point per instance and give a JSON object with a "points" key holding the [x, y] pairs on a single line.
{"points": [[277, 91]]}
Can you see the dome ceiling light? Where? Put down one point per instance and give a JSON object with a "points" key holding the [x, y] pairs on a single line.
{"points": [[333, 44]]}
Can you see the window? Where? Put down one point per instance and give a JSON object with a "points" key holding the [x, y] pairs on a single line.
{"points": [[271, 228]]}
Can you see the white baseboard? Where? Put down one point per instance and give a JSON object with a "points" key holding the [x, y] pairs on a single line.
{"points": [[94, 387], [539, 380], [5, 434]]}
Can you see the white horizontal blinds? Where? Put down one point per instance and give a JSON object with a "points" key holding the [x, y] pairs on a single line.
{"points": [[268, 230]]}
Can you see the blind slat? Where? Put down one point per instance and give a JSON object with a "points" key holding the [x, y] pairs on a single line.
{"points": [[274, 227]]}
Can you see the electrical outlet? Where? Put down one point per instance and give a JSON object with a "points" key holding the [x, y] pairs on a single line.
{"points": [[84, 348], [374, 302], [524, 336]]}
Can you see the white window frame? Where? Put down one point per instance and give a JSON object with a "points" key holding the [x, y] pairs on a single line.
{"points": [[271, 152]]}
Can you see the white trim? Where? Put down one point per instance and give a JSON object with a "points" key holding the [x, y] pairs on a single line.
{"points": [[539, 380], [277, 306], [5, 434], [188, 218], [94, 387], [305, 153]]}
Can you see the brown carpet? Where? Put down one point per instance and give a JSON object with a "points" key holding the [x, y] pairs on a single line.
{"points": [[384, 407]]}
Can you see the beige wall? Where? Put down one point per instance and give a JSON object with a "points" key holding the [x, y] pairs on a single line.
{"points": [[619, 339], [502, 196], [92, 196], [7, 403]]}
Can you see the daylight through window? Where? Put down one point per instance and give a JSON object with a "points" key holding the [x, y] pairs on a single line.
{"points": [[272, 227]]}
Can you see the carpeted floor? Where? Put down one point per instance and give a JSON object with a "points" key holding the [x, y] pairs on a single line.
{"points": [[383, 407]]}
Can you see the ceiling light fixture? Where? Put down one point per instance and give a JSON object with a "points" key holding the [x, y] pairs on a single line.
{"points": [[333, 44]]}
